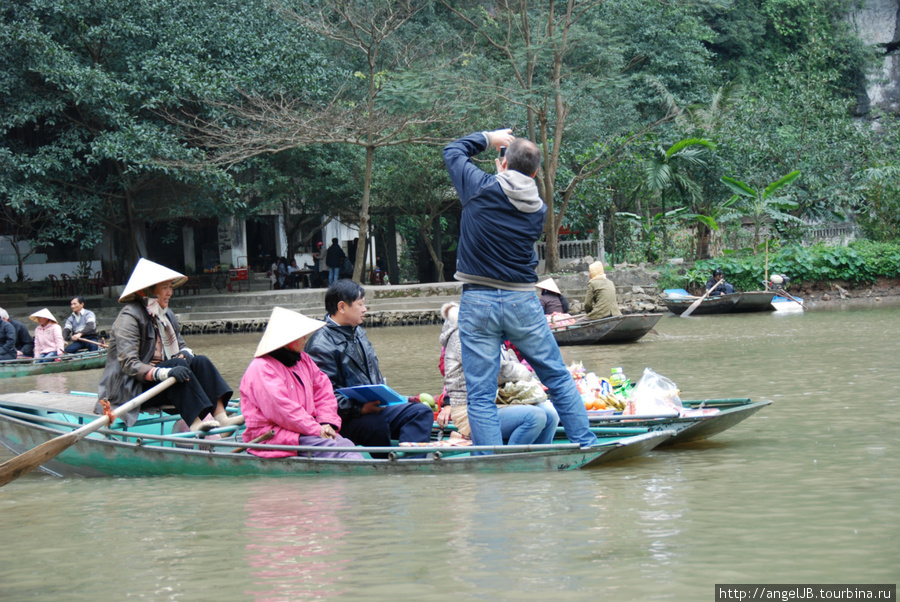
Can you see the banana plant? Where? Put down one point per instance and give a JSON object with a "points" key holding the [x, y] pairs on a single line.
{"points": [[760, 205]]}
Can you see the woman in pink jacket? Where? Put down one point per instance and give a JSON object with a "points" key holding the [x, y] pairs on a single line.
{"points": [[284, 391], [48, 338]]}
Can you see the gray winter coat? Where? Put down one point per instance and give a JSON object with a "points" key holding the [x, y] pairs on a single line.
{"points": [[132, 343]]}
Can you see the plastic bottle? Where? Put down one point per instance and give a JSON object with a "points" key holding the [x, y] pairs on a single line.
{"points": [[617, 379]]}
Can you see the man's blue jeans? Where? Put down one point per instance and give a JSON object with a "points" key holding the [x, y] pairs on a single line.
{"points": [[333, 275], [487, 317]]}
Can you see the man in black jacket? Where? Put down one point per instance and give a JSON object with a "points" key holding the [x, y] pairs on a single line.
{"points": [[24, 341], [343, 352]]}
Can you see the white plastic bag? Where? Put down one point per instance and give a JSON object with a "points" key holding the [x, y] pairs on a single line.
{"points": [[654, 395]]}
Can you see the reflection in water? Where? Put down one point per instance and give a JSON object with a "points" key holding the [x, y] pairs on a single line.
{"points": [[295, 534], [52, 383], [804, 491]]}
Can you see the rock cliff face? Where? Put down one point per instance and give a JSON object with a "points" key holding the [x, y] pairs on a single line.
{"points": [[878, 24]]}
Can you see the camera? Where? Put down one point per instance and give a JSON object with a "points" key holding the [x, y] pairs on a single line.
{"points": [[502, 151]]}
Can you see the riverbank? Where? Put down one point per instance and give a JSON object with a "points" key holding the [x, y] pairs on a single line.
{"points": [[211, 312]]}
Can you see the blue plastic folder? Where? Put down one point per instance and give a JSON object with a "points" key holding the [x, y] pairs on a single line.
{"points": [[366, 393]]}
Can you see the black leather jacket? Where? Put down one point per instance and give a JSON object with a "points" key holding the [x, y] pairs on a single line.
{"points": [[345, 354]]}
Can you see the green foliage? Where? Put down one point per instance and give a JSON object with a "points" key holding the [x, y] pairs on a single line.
{"points": [[84, 147], [879, 211], [861, 262]]}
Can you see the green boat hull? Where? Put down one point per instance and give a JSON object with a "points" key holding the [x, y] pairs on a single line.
{"points": [[689, 428], [88, 360], [112, 452]]}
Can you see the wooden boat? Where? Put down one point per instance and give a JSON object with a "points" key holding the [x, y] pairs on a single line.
{"points": [[614, 329], [87, 360], [705, 418], [29, 419], [678, 300]]}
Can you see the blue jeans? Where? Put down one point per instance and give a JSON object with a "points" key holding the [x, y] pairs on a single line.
{"points": [[487, 317], [50, 355], [521, 424], [82, 345], [334, 274]]}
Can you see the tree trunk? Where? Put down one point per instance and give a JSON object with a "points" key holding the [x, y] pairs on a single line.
{"points": [[390, 245], [703, 234], [430, 245], [360, 258]]}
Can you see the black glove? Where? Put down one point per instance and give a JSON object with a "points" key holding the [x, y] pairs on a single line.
{"points": [[187, 355], [179, 373]]}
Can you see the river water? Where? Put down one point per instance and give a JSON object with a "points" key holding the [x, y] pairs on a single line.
{"points": [[805, 491]]}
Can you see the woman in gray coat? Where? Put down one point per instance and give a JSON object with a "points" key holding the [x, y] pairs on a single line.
{"points": [[145, 347]]}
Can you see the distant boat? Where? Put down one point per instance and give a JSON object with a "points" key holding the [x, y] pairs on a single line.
{"points": [[783, 304], [614, 329], [677, 300], [86, 360]]}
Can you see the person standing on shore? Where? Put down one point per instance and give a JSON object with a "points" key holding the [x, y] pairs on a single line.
{"points": [[502, 218], [334, 259]]}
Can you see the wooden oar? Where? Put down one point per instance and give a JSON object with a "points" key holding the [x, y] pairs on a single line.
{"points": [[28, 461], [697, 303]]}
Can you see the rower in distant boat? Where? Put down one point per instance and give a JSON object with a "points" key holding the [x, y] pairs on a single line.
{"points": [[600, 301], [724, 288]]}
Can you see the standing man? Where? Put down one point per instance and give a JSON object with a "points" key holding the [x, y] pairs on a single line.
{"points": [[343, 352], [80, 328], [502, 217], [334, 259], [24, 340]]}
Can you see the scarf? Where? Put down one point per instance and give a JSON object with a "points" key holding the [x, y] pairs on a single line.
{"points": [[164, 329], [286, 356]]}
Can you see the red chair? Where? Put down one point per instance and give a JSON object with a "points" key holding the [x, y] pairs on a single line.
{"points": [[56, 286], [68, 285], [96, 283]]}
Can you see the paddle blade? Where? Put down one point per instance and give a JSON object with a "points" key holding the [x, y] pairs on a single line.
{"points": [[28, 461], [692, 307]]}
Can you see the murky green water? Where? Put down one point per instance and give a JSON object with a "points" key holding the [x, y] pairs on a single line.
{"points": [[806, 491]]}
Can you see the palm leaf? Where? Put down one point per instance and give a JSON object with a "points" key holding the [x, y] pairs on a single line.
{"points": [[681, 144], [738, 187], [782, 182]]}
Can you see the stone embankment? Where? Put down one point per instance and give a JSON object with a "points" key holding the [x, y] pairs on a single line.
{"points": [[212, 312], [399, 305]]}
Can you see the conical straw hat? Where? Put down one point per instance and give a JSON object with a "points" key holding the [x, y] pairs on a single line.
{"points": [[285, 326], [44, 313], [147, 273], [549, 285]]}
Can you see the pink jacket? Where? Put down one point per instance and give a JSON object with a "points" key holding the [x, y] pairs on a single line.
{"points": [[273, 399], [48, 338]]}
